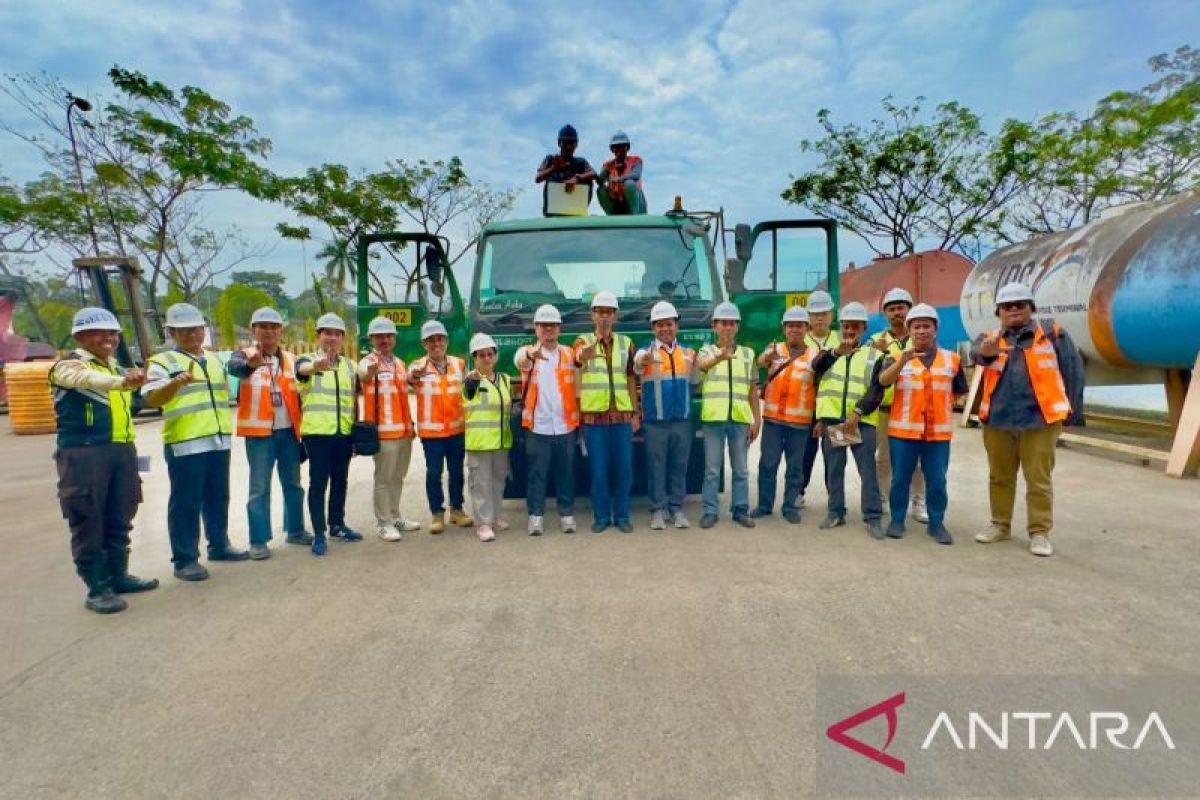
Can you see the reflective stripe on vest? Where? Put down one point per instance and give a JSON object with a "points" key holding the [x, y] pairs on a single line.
{"points": [[725, 392], [667, 373], [200, 408], [85, 417], [388, 393], [328, 400], [923, 407], [845, 383], [256, 413], [600, 378], [487, 416], [895, 347], [439, 399], [790, 395], [565, 377], [1041, 364]]}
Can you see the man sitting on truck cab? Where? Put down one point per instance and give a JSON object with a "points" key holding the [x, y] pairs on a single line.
{"points": [[620, 180], [564, 166]]}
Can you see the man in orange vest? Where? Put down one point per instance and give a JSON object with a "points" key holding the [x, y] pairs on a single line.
{"points": [[1032, 385], [441, 423], [788, 399], [269, 419], [620, 180], [550, 419], [927, 379]]}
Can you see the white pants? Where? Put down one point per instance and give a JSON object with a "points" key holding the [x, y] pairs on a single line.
{"points": [[391, 465], [487, 471]]}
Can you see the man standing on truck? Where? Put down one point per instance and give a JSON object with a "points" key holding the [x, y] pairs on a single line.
{"points": [[620, 180], [729, 412], [550, 417], [608, 391], [822, 336], [564, 166], [666, 369]]}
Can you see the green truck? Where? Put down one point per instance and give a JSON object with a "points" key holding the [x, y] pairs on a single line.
{"points": [[522, 264]]}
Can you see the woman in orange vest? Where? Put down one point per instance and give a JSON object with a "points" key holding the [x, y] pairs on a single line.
{"points": [[384, 401], [927, 379]]}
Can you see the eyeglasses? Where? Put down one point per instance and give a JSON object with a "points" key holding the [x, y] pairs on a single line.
{"points": [[1012, 306], [485, 354]]}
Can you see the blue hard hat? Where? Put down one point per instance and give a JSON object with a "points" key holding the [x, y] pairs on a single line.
{"points": [[567, 133]]}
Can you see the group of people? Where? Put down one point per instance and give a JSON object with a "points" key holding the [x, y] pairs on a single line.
{"points": [[619, 180], [835, 391]]}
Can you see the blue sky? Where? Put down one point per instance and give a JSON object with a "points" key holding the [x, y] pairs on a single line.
{"points": [[715, 95]]}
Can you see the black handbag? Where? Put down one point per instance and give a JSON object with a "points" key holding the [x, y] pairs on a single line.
{"points": [[364, 435]]}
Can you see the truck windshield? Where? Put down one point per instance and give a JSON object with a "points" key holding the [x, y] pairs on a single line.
{"points": [[519, 271]]}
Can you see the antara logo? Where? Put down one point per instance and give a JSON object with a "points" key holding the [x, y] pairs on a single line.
{"points": [[837, 732]]}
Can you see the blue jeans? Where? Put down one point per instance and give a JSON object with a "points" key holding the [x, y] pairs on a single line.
{"points": [[935, 460], [777, 440], [610, 451], [716, 434], [453, 451], [264, 453]]}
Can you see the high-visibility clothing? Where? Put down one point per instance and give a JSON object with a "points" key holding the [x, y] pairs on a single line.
{"points": [[789, 394], [384, 401], [200, 408], [895, 346], [327, 400], [845, 383], [439, 399], [1041, 362], [827, 342], [923, 406], [564, 376], [256, 409], [725, 390], [487, 415], [602, 379], [86, 417], [616, 177], [667, 382]]}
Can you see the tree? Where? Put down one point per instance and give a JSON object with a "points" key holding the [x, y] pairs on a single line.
{"points": [[234, 308], [904, 180], [270, 282]]}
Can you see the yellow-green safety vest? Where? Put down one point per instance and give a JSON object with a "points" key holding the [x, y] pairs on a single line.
{"points": [[327, 400], [845, 383], [828, 342], [725, 390], [487, 416], [86, 417], [201, 408], [602, 379], [895, 348]]}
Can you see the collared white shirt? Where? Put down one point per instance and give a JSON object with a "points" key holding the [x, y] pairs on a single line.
{"points": [[549, 415], [156, 378]]}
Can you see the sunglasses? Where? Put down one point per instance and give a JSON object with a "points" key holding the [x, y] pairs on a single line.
{"points": [[1012, 306]]}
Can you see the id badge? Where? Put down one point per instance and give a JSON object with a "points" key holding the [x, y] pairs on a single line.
{"points": [[277, 399]]}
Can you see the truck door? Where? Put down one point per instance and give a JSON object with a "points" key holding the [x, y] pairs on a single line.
{"points": [[407, 278], [779, 264]]}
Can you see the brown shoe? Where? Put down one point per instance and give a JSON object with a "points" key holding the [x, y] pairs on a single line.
{"points": [[460, 518], [438, 523]]}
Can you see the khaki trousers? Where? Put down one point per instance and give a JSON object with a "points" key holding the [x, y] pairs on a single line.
{"points": [[1033, 452], [486, 472], [391, 465], [883, 463]]}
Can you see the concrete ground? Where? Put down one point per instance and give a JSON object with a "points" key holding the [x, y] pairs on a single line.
{"points": [[676, 664]]}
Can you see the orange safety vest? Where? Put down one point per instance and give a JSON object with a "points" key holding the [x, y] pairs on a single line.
{"points": [[1044, 375], [388, 392], [440, 412], [616, 180], [256, 413], [923, 405], [791, 395], [565, 375]]}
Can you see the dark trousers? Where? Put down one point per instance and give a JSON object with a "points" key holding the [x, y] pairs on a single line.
{"points": [[199, 490], [810, 459], [328, 466], [934, 458], [450, 451], [870, 500], [543, 453], [99, 490], [779, 440], [668, 447]]}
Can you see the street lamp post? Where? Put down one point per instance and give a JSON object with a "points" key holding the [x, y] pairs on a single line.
{"points": [[78, 103]]}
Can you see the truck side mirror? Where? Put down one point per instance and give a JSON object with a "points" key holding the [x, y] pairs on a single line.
{"points": [[743, 245], [735, 270], [433, 269]]}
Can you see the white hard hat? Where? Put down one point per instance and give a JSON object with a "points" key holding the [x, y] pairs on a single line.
{"points": [[266, 314], [921, 311], [1014, 293], [820, 301], [795, 314], [481, 341], [854, 312], [94, 319], [896, 295], [727, 311], [381, 325], [433, 328], [663, 310], [604, 299], [620, 137], [331, 321], [547, 314], [184, 315]]}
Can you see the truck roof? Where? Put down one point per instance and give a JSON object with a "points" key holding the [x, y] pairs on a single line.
{"points": [[584, 223]]}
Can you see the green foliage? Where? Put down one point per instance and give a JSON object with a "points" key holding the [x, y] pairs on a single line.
{"points": [[270, 282], [234, 308]]}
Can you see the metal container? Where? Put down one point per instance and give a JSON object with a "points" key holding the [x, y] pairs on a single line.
{"points": [[935, 277]]}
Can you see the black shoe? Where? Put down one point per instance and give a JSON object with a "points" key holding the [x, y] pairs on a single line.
{"points": [[345, 533], [104, 602], [832, 521], [132, 584], [792, 517], [708, 520], [191, 572], [895, 530], [625, 527], [299, 538], [743, 519], [875, 529], [940, 534], [760, 512], [599, 527], [259, 552], [228, 554]]}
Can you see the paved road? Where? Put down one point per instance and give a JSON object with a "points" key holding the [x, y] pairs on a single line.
{"points": [[676, 664]]}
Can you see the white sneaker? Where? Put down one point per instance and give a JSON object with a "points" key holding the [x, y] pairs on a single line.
{"points": [[501, 525], [992, 535], [917, 509], [486, 534], [1039, 545], [406, 525], [657, 522], [680, 520], [388, 533], [568, 525], [535, 525]]}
